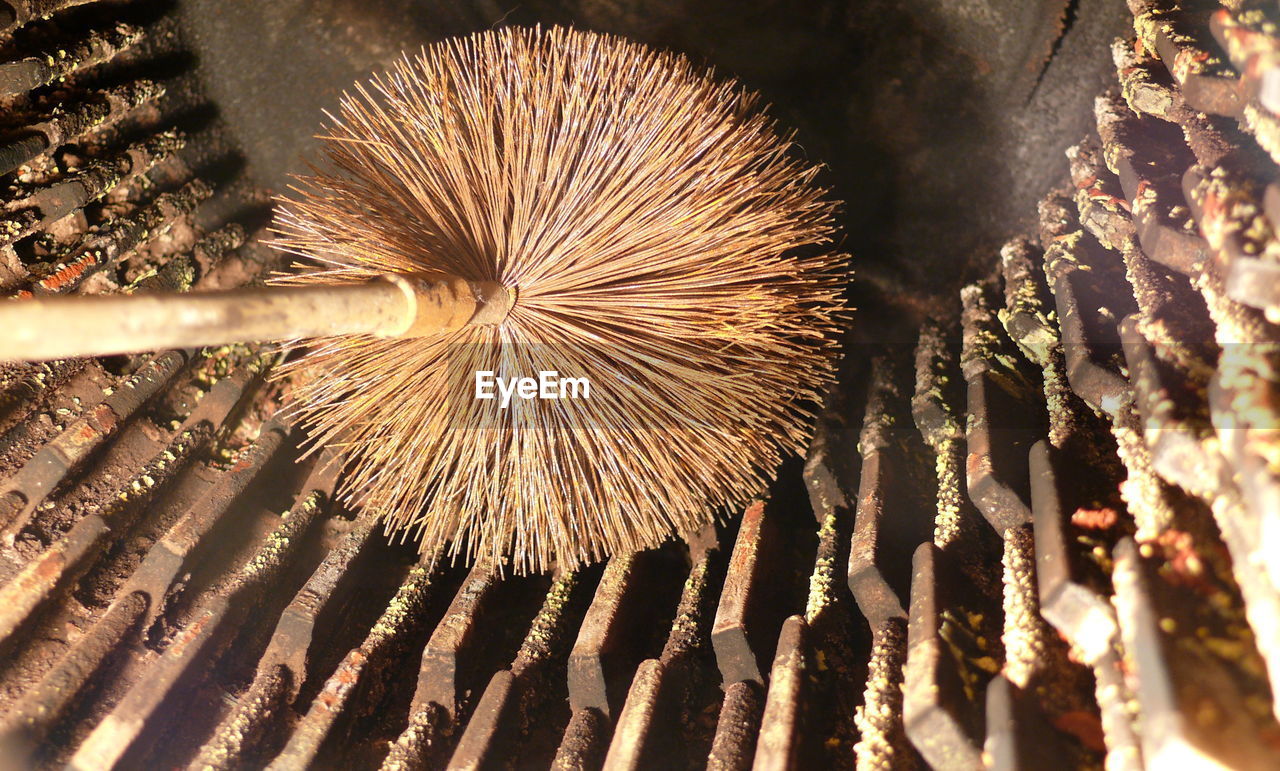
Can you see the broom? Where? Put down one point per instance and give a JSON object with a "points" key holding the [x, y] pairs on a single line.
{"points": [[558, 296]]}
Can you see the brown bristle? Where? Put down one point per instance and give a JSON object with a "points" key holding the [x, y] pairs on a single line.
{"points": [[664, 243]]}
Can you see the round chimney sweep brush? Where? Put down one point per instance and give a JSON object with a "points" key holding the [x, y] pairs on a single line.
{"points": [[573, 296]]}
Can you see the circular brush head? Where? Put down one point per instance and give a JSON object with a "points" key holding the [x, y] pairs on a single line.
{"points": [[664, 245]]}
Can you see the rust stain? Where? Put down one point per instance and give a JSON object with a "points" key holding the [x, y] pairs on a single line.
{"points": [[349, 672], [100, 421], [50, 566], [65, 276], [973, 464], [192, 634], [105, 417], [342, 680]]}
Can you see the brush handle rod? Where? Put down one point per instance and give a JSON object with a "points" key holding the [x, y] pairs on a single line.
{"points": [[96, 325]]}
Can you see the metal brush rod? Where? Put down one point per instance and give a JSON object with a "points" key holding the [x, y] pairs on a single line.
{"points": [[390, 306]]}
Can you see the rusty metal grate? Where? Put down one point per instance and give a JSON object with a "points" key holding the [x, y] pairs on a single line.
{"points": [[1037, 540]]}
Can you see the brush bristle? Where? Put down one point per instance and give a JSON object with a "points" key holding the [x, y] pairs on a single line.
{"points": [[665, 243]]}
